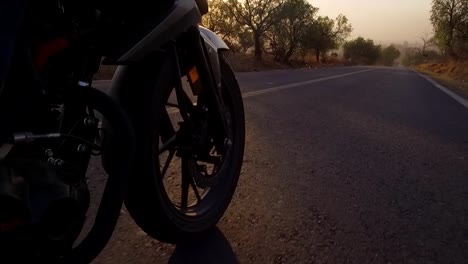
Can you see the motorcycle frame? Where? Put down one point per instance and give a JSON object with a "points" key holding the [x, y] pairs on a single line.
{"points": [[205, 45]]}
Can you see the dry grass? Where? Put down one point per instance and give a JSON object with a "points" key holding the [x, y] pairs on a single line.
{"points": [[245, 63], [452, 74], [248, 63], [240, 62]]}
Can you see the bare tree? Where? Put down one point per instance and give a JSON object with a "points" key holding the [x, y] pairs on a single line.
{"points": [[427, 42]]}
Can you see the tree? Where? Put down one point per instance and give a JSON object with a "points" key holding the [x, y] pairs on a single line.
{"points": [[325, 34], [450, 21], [413, 56], [284, 36], [245, 39], [219, 20], [361, 51], [427, 42], [258, 16], [389, 55], [342, 29], [318, 36]]}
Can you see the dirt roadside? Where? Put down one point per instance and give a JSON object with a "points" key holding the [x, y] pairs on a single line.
{"points": [[453, 75]]}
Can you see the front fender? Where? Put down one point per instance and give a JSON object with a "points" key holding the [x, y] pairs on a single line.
{"points": [[214, 44], [125, 76], [214, 39]]}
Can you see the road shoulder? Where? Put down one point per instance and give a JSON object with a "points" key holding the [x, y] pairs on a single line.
{"points": [[459, 87], [458, 95]]}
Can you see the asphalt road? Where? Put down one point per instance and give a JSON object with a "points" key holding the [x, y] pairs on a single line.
{"points": [[342, 165]]}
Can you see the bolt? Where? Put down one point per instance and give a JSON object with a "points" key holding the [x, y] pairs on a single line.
{"points": [[205, 109], [82, 148], [211, 140], [51, 161], [90, 121], [59, 162], [49, 153], [194, 156], [228, 142]]}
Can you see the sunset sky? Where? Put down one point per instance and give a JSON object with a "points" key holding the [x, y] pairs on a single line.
{"points": [[382, 20]]}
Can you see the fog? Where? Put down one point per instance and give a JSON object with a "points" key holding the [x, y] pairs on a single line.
{"points": [[382, 20]]}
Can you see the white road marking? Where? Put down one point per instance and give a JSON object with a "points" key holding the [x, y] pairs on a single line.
{"points": [[287, 86], [274, 89], [281, 87], [444, 89], [293, 85]]}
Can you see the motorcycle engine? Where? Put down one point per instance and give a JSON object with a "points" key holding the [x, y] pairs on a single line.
{"points": [[42, 211]]}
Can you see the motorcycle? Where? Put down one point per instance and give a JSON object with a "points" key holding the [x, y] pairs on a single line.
{"points": [[174, 99]]}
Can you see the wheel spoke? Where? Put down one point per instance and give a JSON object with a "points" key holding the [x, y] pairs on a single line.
{"points": [[167, 129], [185, 188], [169, 144], [185, 184], [167, 163], [195, 190], [215, 160], [172, 105]]}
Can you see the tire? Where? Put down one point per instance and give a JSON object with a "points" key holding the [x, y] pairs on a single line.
{"points": [[147, 200]]}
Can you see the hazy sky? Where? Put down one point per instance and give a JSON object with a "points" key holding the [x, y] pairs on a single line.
{"points": [[383, 21]]}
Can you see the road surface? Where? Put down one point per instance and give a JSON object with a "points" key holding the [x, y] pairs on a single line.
{"points": [[342, 165]]}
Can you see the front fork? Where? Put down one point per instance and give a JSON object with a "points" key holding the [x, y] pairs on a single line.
{"points": [[206, 61]]}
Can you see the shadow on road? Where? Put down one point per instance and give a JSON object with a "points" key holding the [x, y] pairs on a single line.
{"points": [[214, 248]]}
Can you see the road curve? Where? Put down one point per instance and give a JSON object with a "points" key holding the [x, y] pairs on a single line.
{"points": [[362, 165]]}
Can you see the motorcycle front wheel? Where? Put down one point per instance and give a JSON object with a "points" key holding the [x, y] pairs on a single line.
{"points": [[187, 172]]}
